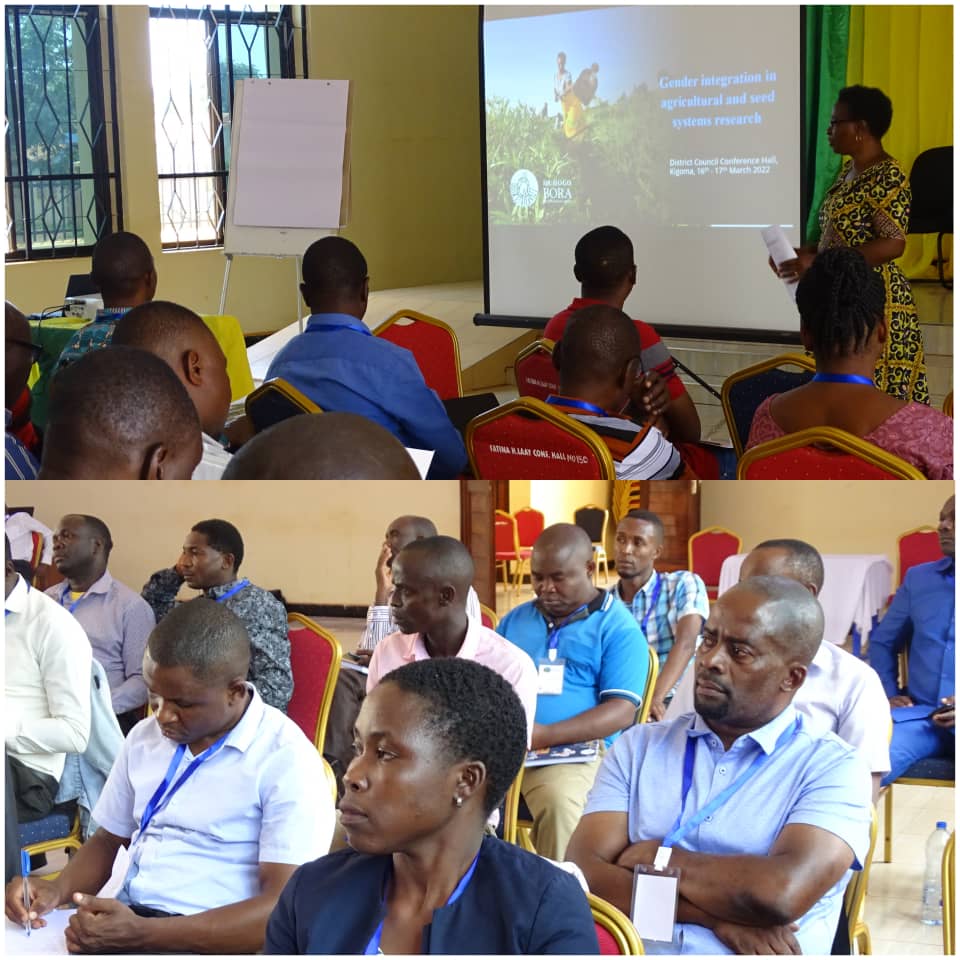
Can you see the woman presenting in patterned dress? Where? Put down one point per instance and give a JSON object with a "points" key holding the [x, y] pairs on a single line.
{"points": [[868, 207]]}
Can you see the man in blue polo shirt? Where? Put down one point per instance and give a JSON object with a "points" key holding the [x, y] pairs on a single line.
{"points": [[921, 617], [762, 812], [670, 607], [593, 672], [342, 367]]}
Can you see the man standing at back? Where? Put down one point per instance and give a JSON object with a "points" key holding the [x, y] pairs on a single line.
{"points": [[342, 367], [605, 268], [122, 267], [210, 561], [115, 619]]}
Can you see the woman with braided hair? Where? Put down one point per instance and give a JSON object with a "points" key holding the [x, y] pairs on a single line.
{"points": [[843, 323], [868, 208]]}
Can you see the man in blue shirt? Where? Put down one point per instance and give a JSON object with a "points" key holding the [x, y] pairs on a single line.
{"points": [[762, 813], [590, 640], [670, 607], [921, 618], [341, 366]]}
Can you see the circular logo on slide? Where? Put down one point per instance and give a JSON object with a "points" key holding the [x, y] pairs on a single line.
{"points": [[524, 188]]}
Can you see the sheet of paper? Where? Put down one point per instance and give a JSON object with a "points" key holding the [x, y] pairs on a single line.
{"points": [[290, 164], [780, 249], [423, 459], [43, 941]]}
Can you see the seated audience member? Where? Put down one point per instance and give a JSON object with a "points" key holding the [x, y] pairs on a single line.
{"points": [[439, 742], [210, 561], [116, 620], [342, 367], [22, 442], [605, 268], [431, 579], [122, 267], [206, 858], [182, 340], [841, 302], [323, 446], [840, 693], [600, 649], [46, 703], [121, 415], [922, 620], [351, 685], [764, 863], [669, 606], [599, 364]]}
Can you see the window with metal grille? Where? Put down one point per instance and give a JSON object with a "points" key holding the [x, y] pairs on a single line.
{"points": [[62, 153], [197, 53]]}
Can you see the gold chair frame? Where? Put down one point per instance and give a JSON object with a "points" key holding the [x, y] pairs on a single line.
{"points": [[491, 614], [544, 345], [948, 891], [326, 700], [855, 896], [430, 321], [286, 390], [617, 924], [653, 672], [518, 560]]}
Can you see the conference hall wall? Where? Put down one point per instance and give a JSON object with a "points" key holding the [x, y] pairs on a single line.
{"points": [[318, 542], [415, 159]]}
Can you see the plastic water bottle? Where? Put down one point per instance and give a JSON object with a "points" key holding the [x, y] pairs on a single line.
{"points": [[932, 904]]}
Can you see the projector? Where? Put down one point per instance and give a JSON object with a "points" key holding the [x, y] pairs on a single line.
{"points": [[85, 307]]}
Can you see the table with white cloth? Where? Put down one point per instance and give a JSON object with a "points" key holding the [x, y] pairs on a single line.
{"points": [[855, 588]]}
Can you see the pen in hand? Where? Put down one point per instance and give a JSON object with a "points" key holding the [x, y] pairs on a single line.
{"points": [[25, 871]]}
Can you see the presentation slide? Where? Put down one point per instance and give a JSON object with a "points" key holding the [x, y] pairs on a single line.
{"points": [[680, 125]]}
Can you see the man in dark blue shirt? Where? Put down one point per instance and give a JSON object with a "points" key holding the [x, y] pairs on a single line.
{"points": [[342, 367], [922, 615]]}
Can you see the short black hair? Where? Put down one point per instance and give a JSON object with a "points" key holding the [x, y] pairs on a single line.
{"points": [[805, 559], [444, 558], [597, 344], [223, 537], [205, 637], [841, 299], [602, 258], [869, 104], [120, 261], [647, 516], [333, 265], [795, 617], [113, 399], [474, 713], [160, 326], [100, 529]]}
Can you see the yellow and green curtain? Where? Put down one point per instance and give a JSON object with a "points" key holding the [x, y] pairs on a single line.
{"points": [[906, 51]]}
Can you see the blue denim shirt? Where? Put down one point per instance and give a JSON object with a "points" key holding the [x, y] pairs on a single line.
{"points": [[342, 367]]}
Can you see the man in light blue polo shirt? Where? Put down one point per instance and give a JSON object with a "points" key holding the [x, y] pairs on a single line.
{"points": [[342, 367], [762, 812], [590, 635], [212, 804]]}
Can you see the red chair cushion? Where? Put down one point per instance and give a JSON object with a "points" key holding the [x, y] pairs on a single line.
{"points": [[608, 946], [537, 376], [814, 463], [920, 547], [310, 662], [434, 351]]}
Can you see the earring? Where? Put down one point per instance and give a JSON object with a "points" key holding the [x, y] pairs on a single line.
{"points": [[458, 801]]}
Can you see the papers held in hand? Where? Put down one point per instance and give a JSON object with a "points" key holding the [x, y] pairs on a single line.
{"points": [[564, 753], [780, 250]]}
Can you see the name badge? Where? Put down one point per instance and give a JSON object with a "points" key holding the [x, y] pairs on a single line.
{"points": [[653, 906], [550, 677]]}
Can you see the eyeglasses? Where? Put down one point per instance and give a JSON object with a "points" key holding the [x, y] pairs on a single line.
{"points": [[34, 348]]}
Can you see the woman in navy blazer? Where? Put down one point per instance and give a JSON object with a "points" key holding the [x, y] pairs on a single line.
{"points": [[439, 741]]}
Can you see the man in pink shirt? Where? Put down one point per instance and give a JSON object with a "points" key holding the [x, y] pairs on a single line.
{"points": [[431, 578]]}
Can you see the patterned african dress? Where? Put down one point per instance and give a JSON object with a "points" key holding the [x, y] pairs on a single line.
{"points": [[876, 205]]}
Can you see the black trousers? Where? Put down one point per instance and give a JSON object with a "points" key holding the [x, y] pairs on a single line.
{"points": [[29, 795]]}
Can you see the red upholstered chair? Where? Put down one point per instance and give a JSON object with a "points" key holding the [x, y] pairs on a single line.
{"points": [[534, 372], [823, 453], [921, 545], [530, 524], [434, 346], [488, 617], [506, 546], [526, 439], [616, 934], [315, 656], [706, 551]]}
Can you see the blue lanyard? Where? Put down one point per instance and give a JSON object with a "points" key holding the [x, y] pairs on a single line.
{"points": [[842, 378], [327, 327], [553, 640], [160, 797], [226, 596], [653, 603], [73, 606], [556, 401], [677, 831], [373, 947], [6, 612]]}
